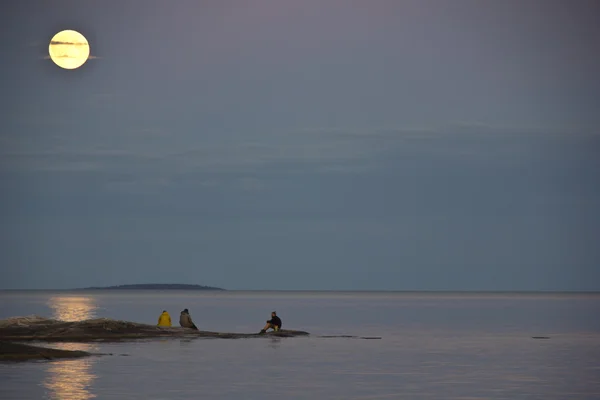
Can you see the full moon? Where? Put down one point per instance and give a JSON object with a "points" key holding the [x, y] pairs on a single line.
{"points": [[69, 49]]}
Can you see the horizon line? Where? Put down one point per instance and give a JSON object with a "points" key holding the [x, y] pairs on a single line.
{"points": [[98, 288]]}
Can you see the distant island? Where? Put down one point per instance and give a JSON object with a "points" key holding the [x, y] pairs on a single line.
{"points": [[155, 286]]}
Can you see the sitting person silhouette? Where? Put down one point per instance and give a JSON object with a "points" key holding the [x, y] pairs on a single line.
{"points": [[185, 320], [274, 323]]}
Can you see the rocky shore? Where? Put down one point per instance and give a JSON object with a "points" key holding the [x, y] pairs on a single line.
{"points": [[50, 330], [104, 329], [35, 328]]}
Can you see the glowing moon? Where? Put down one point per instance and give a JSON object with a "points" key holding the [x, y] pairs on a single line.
{"points": [[69, 49]]}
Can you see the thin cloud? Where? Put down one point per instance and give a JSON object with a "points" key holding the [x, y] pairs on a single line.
{"points": [[67, 56], [69, 43], [251, 184], [294, 152]]}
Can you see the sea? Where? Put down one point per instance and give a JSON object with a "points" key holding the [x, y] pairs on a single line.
{"points": [[421, 345]]}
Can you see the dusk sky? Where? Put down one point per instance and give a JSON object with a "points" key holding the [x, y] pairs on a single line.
{"points": [[308, 144]]}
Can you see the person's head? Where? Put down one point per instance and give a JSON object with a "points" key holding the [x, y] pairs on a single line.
{"points": [[186, 311], [273, 313], [164, 311]]}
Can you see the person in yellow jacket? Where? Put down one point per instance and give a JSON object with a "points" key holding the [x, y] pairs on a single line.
{"points": [[164, 319]]}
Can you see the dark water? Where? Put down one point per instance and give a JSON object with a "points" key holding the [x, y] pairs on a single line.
{"points": [[433, 346]]}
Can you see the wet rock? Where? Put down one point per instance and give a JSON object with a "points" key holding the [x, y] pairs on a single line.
{"points": [[23, 352]]}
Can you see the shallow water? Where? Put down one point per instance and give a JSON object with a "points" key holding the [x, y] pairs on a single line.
{"points": [[433, 346]]}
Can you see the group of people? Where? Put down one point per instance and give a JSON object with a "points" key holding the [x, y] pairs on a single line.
{"points": [[185, 321]]}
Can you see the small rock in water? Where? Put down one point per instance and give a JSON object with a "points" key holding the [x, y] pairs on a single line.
{"points": [[540, 337]]}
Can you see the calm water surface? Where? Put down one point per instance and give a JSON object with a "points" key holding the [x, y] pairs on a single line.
{"points": [[433, 346]]}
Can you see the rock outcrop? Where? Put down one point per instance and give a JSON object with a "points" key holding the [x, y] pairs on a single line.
{"points": [[105, 329], [10, 351]]}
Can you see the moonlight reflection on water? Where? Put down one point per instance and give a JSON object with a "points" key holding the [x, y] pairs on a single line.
{"points": [[72, 308]]}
